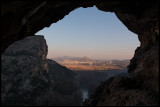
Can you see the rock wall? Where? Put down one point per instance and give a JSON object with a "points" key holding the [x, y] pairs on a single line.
{"points": [[122, 91], [67, 89], [29, 78], [21, 19]]}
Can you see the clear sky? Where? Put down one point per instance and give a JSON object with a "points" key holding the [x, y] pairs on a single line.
{"points": [[92, 33]]}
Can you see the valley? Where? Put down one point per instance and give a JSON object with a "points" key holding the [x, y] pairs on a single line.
{"points": [[87, 64]]}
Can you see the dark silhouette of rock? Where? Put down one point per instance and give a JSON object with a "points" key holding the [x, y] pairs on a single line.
{"points": [[121, 91], [67, 88], [28, 78]]}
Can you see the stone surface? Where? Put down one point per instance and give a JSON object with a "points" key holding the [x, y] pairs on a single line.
{"points": [[21, 19], [29, 78], [122, 91], [31, 46]]}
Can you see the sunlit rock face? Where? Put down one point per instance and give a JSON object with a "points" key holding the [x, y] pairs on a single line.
{"points": [[22, 19], [29, 78]]}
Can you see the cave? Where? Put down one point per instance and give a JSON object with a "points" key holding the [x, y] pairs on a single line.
{"points": [[23, 19], [87, 29]]}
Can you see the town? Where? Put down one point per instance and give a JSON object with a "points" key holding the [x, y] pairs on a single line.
{"points": [[87, 64]]}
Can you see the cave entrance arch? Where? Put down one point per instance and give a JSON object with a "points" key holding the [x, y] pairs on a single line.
{"points": [[83, 30], [93, 29], [139, 17]]}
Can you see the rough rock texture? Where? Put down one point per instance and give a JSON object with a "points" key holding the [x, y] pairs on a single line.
{"points": [[28, 78], [21, 19], [122, 91], [67, 89]]}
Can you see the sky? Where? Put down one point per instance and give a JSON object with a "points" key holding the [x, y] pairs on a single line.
{"points": [[92, 33]]}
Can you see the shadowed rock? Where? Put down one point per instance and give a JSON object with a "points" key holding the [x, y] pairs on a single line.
{"points": [[122, 91], [28, 78]]}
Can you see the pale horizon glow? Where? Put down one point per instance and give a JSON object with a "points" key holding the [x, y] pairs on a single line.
{"points": [[92, 33]]}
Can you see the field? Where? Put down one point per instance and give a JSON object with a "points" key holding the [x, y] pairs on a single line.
{"points": [[77, 67]]}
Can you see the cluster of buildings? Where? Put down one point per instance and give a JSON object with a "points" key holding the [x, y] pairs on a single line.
{"points": [[77, 62]]}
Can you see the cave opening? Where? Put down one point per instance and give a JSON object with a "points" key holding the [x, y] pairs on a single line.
{"points": [[90, 34], [87, 29], [29, 78]]}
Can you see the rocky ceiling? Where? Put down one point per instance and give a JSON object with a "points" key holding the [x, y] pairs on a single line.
{"points": [[21, 19]]}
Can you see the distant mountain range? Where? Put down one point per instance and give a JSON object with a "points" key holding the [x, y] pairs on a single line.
{"points": [[80, 59], [85, 59]]}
